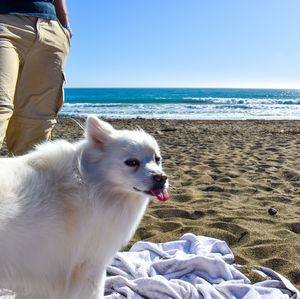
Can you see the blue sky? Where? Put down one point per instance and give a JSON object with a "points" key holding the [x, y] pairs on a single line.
{"points": [[184, 43]]}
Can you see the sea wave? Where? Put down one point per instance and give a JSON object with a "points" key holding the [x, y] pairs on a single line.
{"points": [[183, 103], [239, 101], [183, 111]]}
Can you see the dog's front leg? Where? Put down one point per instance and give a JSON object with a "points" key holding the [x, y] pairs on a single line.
{"points": [[101, 283], [86, 289], [87, 284]]}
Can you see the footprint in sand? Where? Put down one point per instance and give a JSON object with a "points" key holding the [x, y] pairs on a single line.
{"points": [[294, 227]]}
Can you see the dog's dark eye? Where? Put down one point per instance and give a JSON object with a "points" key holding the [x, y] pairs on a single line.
{"points": [[157, 159], [132, 163]]}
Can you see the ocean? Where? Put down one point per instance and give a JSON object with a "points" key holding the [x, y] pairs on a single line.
{"points": [[183, 103]]}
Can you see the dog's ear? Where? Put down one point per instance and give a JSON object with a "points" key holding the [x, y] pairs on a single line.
{"points": [[98, 131]]}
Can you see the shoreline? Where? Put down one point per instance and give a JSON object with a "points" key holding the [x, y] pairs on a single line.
{"points": [[62, 116], [225, 176]]}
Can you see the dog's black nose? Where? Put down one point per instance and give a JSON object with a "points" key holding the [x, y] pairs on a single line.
{"points": [[160, 180]]}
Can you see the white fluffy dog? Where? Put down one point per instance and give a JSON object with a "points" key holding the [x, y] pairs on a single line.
{"points": [[66, 209]]}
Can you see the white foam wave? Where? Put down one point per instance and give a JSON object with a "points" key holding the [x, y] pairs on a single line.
{"points": [[185, 111]]}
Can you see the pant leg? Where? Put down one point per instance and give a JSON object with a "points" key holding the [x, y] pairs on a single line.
{"points": [[39, 91], [9, 68], [15, 39]]}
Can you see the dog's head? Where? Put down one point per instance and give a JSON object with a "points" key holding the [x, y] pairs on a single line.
{"points": [[129, 161]]}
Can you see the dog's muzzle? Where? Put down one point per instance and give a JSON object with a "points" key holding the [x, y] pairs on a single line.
{"points": [[158, 189]]}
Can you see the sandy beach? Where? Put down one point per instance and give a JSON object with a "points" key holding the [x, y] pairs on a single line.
{"points": [[238, 181]]}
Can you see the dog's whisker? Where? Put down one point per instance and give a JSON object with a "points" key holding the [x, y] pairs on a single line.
{"points": [[76, 121]]}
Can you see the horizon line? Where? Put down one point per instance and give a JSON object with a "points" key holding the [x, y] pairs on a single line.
{"points": [[166, 87]]}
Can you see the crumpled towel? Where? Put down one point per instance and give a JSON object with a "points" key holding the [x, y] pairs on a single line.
{"points": [[192, 267]]}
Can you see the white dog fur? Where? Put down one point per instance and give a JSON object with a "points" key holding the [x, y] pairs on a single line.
{"points": [[66, 209]]}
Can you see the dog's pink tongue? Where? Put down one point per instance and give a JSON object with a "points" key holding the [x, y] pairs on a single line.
{"points": [[161, 194]]}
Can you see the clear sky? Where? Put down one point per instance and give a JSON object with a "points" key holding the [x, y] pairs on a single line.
{"points": [[184, 43]]}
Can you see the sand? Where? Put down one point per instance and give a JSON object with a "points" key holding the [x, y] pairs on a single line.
{"points": [[225, 176]]}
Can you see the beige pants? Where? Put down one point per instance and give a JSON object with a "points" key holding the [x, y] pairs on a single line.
{"points": [[33, 52]]}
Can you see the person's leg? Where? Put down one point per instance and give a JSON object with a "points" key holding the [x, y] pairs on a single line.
{"points": [[12, 47], [9, 67], [39, 92]]}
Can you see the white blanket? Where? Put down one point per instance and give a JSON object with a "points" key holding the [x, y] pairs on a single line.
{"points": [[193, 267]]}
